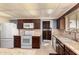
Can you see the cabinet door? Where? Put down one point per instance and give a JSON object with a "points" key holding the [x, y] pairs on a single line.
{"points": [[62, 23], [20, 24], [59, 47], [35, 42], [17, 42], [68, 51], [36, 24], [61, 50]]}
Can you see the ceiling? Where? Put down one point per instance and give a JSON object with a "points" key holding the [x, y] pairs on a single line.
{"points": [[33, 10]]}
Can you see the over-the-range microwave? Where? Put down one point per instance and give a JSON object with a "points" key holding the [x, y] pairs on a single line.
{"points": [[28, 25]]}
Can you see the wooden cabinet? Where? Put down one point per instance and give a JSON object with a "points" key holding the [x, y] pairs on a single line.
{"points": [[35, 21], [61, 23], [36, 42], [69, 51], [17, 41], [61, 49], [20, 24]]}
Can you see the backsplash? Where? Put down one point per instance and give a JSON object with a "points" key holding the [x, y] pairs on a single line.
{"points": [[67, 34], [36, 32]]}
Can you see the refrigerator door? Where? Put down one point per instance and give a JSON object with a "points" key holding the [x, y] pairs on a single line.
{"points": [[8, 30]]}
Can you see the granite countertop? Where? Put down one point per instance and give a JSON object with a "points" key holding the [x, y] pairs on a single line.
{"points": [[73, 45]]}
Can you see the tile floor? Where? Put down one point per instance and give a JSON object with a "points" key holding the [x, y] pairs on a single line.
{"points": [[44, 50]]}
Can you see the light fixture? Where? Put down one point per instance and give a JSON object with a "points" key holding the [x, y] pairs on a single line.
{"points": [[50, 11]]}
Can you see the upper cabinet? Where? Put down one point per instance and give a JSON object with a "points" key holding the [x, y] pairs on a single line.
{"points": [[61, 23], [20, 24], [36, 23], [72, 21]]}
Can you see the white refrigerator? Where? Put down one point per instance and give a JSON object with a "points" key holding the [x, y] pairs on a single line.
{"points": [[8, 30]]}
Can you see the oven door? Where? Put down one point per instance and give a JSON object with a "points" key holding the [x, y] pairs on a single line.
{"points": [[26, 40]]}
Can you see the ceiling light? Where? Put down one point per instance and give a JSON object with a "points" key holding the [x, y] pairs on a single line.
{"points": [[33, 12], [50, 11]]}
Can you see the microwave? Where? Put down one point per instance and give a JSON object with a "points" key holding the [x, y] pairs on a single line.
{"points": [[28, 25]]}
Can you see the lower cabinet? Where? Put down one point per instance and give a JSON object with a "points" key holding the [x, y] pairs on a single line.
{"points": [[68, 51], [61, 49], [35, 41], [17, 41]]}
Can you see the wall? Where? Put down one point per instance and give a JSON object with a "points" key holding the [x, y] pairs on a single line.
{"points": [[3, 20], [54, 24]]}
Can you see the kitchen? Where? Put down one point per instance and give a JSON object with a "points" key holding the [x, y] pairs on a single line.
{"points": [[61, 32], [24, 35]]}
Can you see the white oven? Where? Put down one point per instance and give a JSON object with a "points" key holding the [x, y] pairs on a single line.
{"points": [[26, 41]]}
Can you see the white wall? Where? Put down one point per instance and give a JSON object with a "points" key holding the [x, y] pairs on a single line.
{"points": [[3, 20]]}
